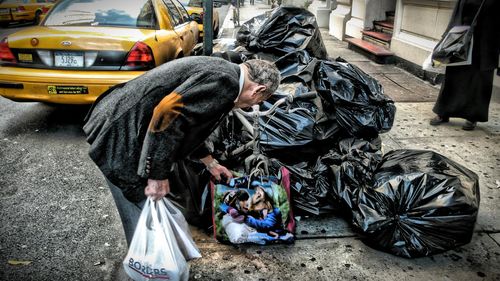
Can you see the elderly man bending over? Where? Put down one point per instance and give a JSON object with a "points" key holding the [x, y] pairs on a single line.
{"points": [[137, 130]]}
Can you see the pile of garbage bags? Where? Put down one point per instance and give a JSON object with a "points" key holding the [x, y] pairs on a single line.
{"points": [[350, 104], [409, 203]]}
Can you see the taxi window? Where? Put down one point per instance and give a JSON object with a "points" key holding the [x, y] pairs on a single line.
{"points": [[174, 13], [184, 14], [131, 14]]}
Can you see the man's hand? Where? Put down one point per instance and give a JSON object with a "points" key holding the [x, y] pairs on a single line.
{"points": [[157, 189], [218, 170]]}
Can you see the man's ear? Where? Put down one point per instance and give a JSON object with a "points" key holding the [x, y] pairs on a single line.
{"points": [[260, 89]]}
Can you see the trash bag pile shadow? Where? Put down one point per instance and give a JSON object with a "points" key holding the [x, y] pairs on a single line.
{"points": [[409, 203]]}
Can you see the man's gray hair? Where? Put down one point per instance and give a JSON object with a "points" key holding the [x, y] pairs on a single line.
{"points": [[264, 73]]}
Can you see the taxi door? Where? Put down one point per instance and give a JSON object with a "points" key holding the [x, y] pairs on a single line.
{"points": [[183, 27]]}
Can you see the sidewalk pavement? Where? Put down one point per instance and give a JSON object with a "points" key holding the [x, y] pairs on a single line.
{"points": [[229, 28], [326, 248]]}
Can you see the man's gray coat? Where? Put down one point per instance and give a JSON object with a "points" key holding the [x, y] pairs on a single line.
{"points": [[139, 129]]}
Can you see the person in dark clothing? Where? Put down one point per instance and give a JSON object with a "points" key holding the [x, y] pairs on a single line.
{"points": [[236, 12], [466, 90], [138, 130]]}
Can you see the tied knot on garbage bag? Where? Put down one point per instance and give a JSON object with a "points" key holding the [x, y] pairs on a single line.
{"points": [[353, 167]]}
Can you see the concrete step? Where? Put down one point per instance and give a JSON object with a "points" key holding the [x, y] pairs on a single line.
{"points": [[377, 35], [386, 26], [375, 52], [378, 38]]}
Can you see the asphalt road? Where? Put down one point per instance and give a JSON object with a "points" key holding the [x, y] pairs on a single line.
{"points": [[58, 217]]}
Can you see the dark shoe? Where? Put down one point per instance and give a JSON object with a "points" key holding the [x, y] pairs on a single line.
{"points": [[469, 125], [439, 120]]}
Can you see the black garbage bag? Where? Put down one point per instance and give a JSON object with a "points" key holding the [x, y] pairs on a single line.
{"points": [[310, 187], [227, 139], [352, 165], [421, 203], [298, 132], [354, 99], [331, 182], [283, 30], [297, 66], [262, 56], [187, 184], [285, 128]]}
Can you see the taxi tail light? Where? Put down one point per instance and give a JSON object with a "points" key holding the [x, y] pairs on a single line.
{"points": [[45, 10], [21, 9], [139, 57], [6, 54]]}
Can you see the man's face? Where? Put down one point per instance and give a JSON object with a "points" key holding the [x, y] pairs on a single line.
{"points": [[251, 96]]}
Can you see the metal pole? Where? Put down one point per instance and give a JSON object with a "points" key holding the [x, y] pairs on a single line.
{"points": [[208, 31]]}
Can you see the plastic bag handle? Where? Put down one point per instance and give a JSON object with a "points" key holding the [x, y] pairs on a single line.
{"points": [[154, 212]]}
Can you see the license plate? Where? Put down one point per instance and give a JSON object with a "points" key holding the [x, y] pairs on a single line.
{"points": [[68, 59], [67, 90], [25, 57], [4, 11]]}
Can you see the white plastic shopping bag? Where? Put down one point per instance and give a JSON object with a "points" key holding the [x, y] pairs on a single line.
{"points": [[154, 253], [180, 228]]}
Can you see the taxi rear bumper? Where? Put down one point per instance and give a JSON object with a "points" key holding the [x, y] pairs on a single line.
{"points": [[57, 86]]}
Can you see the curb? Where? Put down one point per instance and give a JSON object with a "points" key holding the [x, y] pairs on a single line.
{"points": [[227, 24]]}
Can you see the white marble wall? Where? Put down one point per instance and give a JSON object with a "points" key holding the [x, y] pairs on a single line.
{"points": [[418, 26], [338, 19], [323, 12]]}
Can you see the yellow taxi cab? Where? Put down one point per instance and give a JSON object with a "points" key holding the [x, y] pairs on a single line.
{"points": [[195, 10], [84, 47], [23, 10]]}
